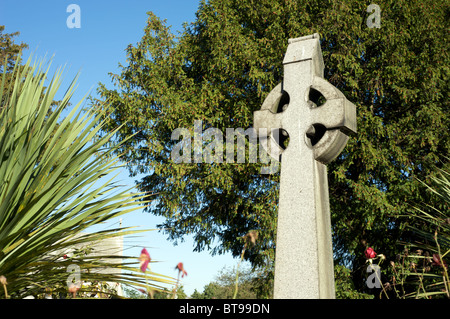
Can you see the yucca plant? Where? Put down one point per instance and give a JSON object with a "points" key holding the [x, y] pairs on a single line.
{"points": [[52, 190], [437, 243], [421, 270]]}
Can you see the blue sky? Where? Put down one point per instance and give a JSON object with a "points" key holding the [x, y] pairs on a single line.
{"points": [[93, 50]]}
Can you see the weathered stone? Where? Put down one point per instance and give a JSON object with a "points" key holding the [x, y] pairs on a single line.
{"points": [[317, 135]]}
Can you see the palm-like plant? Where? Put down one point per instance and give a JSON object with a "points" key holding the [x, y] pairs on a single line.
{"points": [[436, 242], [421, 270], [51, 189]]}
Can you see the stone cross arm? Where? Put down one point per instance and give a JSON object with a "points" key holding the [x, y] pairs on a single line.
{"points": [[335, 119], [317, 133]]}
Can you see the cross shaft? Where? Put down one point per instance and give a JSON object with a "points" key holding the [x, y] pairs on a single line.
{"points": [[304, 257]]}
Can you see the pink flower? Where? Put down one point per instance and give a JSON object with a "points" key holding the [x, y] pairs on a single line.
{"points": [[437, 261], [181, 269], [370, 253], [73, 290], [144, 259]]}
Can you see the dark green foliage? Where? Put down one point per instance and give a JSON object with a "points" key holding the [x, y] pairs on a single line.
{"points": [[8, 49], [220, 69], [345, 288], [9, 54]]}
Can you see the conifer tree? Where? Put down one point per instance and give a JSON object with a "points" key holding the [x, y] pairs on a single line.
{"points": [[220, 69]]}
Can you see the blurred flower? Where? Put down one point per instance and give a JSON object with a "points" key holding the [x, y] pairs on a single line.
{"points": [[4, 282], [251, 236], [405, 251], [144, 259], [181, 269], [437, 261], [73, 290], [148, 292], [370, 253]]}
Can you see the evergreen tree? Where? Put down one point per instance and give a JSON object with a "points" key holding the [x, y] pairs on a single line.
{"points": [[8, 49], [223, 287], [219, 71], [9, 52]]}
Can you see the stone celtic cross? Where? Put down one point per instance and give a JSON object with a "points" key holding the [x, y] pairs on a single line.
{"points": [[316, 134]]}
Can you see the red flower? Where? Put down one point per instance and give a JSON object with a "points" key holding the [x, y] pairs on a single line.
{"points": [[181, 269], [370, 253], [144, 259]]}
